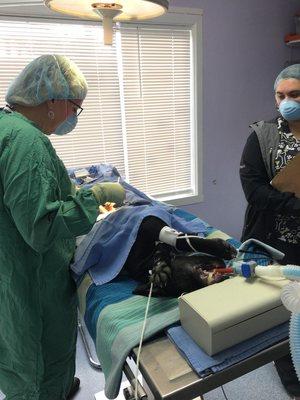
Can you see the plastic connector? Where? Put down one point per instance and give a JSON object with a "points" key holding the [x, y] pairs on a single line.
{"points": [[244, 268]]}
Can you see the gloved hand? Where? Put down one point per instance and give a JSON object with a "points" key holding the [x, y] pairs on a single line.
{"points": [[109, 192]]}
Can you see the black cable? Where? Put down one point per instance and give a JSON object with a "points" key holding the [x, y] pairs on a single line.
{"points": [[251, 259], [255, 252], [265, 256], [224, 393]]}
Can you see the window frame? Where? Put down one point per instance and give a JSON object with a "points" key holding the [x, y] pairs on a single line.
{"points": [[184, 17]]}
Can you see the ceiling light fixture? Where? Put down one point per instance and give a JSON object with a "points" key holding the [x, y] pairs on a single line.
{"points": [[110, 11]]}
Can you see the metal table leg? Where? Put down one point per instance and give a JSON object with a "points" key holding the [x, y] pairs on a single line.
{"points": [[92, 362]]}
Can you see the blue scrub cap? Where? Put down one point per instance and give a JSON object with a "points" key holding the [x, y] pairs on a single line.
{"points": [[47, 77], [293, 71]]}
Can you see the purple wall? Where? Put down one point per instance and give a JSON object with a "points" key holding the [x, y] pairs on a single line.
{"points": [[243, 51]]}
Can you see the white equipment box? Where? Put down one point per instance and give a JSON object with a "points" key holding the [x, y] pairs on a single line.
{"points": [[229, 312]]}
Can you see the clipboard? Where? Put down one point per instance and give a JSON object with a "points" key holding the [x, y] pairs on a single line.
{"points": [[288, 179]]}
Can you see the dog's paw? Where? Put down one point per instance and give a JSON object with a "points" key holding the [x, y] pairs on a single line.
{"points": [[161, 273], [220, 248]]}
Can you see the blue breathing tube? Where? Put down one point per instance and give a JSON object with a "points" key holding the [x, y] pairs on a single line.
{"points": [[291, 272]]}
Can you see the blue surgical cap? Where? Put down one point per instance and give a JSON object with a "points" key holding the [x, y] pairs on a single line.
{"points": [[47, 77], [293, 71]]}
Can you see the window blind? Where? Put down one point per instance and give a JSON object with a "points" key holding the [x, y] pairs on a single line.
{"points": [[97, 138], [137, 114], [157, 101]]}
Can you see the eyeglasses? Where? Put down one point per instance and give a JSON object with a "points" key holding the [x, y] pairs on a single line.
{"points": [[78, 110]]}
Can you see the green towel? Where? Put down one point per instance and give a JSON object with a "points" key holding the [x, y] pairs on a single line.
{"points": [[119, 329]]}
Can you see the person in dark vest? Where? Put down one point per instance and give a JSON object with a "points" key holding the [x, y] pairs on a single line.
{"points": [[273, 216]]}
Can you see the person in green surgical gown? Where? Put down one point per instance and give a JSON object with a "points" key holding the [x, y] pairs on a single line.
{"points": [[41, 213]]}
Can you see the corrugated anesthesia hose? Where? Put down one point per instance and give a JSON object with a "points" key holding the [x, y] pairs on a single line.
{"points": [[295, 341], [290, 297], [291, 300]]}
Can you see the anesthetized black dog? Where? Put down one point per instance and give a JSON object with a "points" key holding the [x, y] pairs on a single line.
{"points": [[174, 271]]}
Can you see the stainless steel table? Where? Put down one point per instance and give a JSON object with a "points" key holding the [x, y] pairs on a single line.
{"points": [[167, 376]]}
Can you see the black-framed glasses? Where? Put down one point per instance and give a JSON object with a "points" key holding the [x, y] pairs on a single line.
{"points": [[78, 110]]}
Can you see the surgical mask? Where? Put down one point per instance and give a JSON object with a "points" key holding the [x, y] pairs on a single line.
{"points": [[67, 126], [290, 110]]}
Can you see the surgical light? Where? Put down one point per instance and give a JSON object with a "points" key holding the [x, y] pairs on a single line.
{"points": [[110, 11]]}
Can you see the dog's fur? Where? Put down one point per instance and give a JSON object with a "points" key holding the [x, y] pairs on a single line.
{"points": [[175, 273]]}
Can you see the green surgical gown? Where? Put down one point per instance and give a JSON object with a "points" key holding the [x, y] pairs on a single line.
{"points": [[40, 216]]}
